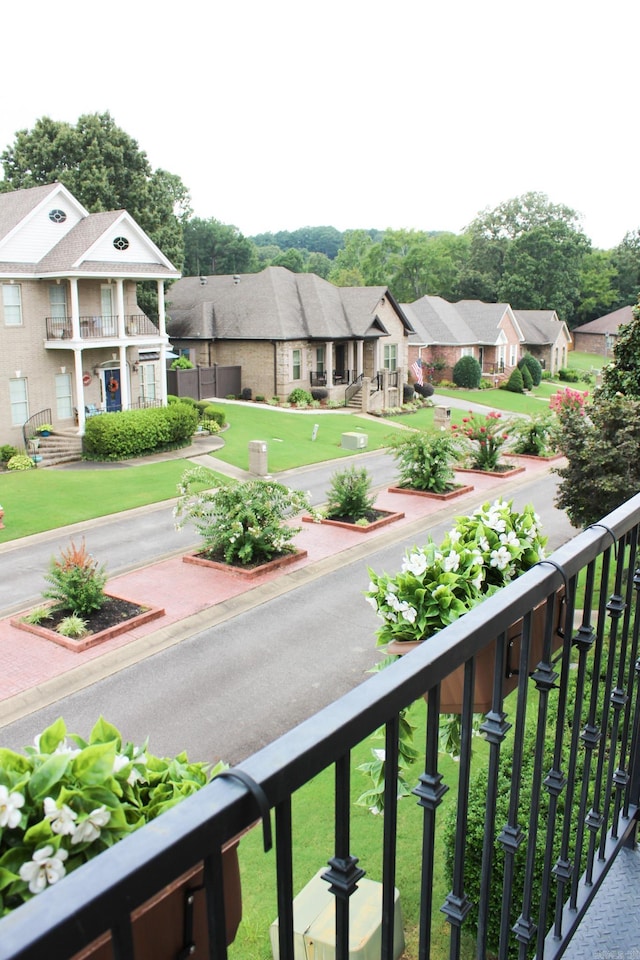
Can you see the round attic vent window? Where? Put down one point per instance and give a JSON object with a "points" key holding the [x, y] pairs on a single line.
{"points": [[57, 216], [121, 243]]}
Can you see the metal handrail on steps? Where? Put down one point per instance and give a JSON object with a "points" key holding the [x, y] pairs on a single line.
{"points": [[30, 426]]}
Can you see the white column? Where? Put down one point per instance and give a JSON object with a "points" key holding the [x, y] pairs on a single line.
{"points": [[77, 374], [359, 357], [75, 311], [125, 385], [162, 327], [328, 362], [120, 307]]}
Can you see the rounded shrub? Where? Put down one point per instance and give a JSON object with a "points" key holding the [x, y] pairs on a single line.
{"points": [[300, 396], [20, 462], [7, 451], [424, 390], [319, 393], [515, 383], [467, 373], [533, 366], [214, 413], [136, 433], [408, 392]]}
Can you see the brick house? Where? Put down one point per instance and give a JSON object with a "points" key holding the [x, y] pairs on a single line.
{"points": [[493, 333], [599, 336], [73, 337], [289, 330]]}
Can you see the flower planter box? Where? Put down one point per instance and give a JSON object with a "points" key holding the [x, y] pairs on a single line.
{"points": [[536, 459], [160, 926], [503, 474], [370, 527], [248, 572], [452, 687], [92, 639], [448, 495]]}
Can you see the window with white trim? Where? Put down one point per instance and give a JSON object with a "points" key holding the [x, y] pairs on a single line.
{"points": [[466, 351], [148, 381], [391, 356], [296, 364], [12, 304], [513, 355], [58, 301], [64, 404], [19, 400], [320, 360]]}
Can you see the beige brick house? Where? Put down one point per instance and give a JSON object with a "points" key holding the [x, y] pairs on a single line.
{"points": [[73, 339], [290, 330]]}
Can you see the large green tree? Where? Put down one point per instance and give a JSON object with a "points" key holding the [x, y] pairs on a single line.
{"points": [[621, 377], [211, 247], [626, 260], [106, 170]]}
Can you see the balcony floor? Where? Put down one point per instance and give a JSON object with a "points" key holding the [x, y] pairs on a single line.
{"points": [[610, 929]]}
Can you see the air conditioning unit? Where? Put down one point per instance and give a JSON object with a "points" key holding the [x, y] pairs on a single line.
{"points": [[354, 441]]}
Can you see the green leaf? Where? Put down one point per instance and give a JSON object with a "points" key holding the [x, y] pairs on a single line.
{"points": [[94, 764], [50, 773], [53, 736], [103, 732], [11, 762]]}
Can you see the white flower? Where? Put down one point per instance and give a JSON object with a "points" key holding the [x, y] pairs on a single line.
{"points": [[500, 558], [373, 602], [415, 563], [454, 535], [45, 867], [408, 612], [451, 562], [61, 817], [89, 830], [121, 760], [379, 753], [10, 804], [509, 539], [137, 774]]}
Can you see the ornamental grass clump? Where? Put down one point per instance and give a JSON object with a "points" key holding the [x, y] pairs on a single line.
{"points": [[486, 437], [66, 800], [536, 436], [426, 460], [241, 523], [77, 582]]}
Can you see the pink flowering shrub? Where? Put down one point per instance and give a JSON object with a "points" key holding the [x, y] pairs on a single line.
{"points": [[568, 401], [486, 434]]}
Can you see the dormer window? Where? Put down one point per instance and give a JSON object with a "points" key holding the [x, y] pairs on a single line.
{"points": [[121, 243], [57, 216]]}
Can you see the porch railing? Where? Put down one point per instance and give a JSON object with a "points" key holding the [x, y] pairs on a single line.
{"points": [[570, 734], [97, 327]]}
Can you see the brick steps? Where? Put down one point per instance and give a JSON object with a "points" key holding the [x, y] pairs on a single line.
{"points": [[59, 448]]}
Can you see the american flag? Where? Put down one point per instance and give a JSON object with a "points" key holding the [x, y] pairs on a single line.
{"points": [[416, 370]]}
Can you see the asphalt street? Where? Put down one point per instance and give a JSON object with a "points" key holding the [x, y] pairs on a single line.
{"points": [[230, 689]]}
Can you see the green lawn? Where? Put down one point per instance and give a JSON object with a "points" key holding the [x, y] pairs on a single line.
{"points": [[289, 436], [39, 500]]}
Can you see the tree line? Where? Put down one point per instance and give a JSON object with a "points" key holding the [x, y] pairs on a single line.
{"points": [[527, 251]]}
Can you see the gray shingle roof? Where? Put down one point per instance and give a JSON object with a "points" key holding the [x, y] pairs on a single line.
{"points": [[274, 304], [610, 323], [540, 327], [437, 321]]}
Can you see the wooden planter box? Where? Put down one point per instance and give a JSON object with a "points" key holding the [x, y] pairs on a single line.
{"points": [[452, 687], [160, 925]]}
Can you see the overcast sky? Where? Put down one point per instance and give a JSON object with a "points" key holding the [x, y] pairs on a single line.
{"points": [[359, 113]]}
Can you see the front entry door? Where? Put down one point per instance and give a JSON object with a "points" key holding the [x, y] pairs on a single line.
{"points": [[112, 389]]}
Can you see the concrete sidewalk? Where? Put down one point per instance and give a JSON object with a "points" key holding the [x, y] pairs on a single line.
{"points": [[35, 672]]}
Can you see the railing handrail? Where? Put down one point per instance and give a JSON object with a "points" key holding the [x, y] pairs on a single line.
{"points": [[32, 424], [70, 914]]}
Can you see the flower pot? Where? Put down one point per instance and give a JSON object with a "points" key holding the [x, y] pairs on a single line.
{"points": [[452, 687], [160, 926]]}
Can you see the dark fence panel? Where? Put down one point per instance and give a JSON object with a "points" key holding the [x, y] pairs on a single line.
{"points": [[202, 382]]}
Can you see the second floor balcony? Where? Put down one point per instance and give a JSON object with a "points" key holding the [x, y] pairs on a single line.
{"points": [[96, 328]]}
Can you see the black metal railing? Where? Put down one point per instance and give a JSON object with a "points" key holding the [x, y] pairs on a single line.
{"points": [[317, 378], [570, 733], [30, 426], [97, 327], [353, 388]]}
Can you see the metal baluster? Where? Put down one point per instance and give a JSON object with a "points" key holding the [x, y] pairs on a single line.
{"points": [[390, 828], [284, 870]]}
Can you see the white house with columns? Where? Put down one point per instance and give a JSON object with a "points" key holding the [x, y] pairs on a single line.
{"points": [[73, 340]]}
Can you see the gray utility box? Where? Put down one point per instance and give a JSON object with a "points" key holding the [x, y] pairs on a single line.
{"points": [[258, 458], [354, 441], [442, 416], [314, 923]]}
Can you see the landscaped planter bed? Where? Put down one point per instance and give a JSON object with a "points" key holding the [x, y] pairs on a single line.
{"points": [[505, 474], [248, 572], [120, 625], [385, 517], [447, 495]]}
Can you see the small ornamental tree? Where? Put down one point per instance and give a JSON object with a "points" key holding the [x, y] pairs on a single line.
{"points": [[76, 581], [527, 379], [622, 375], [349, 497], [240, 523], [467, 373], [601, 444], [426, 460]]}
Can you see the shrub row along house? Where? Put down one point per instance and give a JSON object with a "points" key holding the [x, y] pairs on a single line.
{"points": [[74, 340]]}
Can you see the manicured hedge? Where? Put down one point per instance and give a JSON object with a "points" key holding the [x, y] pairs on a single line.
{"points": [[137, 433]]}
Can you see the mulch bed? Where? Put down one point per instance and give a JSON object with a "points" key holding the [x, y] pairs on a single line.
{"points": [[113, 612]]}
